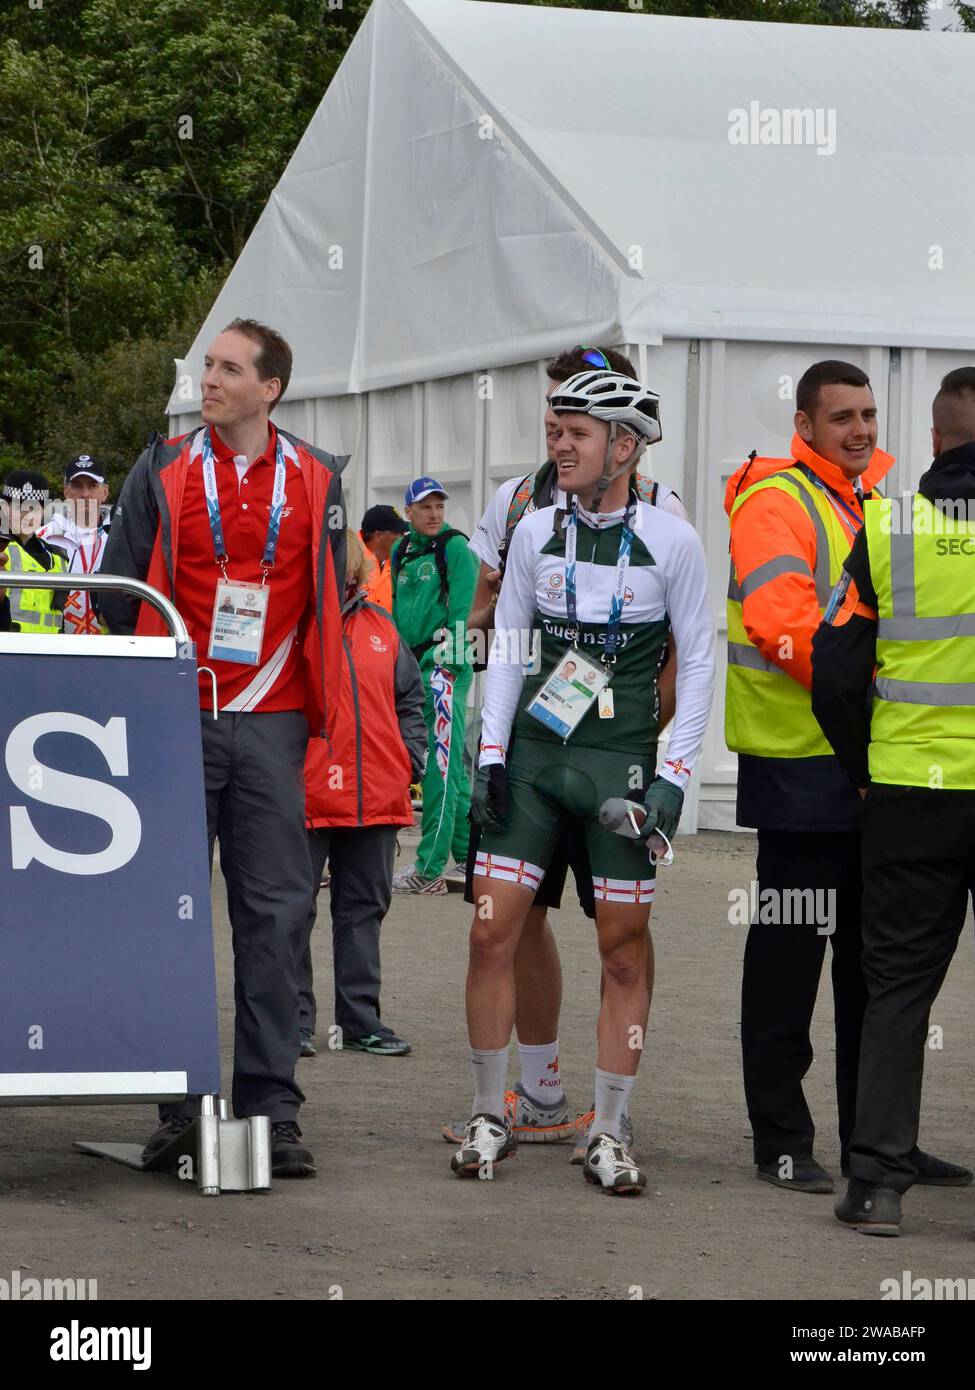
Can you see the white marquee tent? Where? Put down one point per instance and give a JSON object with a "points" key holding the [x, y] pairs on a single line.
{"points": [[486, 184]]}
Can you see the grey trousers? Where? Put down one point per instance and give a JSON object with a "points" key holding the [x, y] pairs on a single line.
{"points": [[361, 866], [253, 770]]}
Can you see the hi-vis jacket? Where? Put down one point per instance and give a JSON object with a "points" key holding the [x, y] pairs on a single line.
{"points": [[922, 730], [900, 627], [793, 522], [379, 583], [33, 610]]}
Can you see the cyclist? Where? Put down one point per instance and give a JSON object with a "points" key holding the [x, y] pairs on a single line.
{"points": [[537, 1106], [604, 580]]}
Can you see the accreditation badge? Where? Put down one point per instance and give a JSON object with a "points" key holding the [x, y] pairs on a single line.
{"points": [[569, 693], [239, 615]]}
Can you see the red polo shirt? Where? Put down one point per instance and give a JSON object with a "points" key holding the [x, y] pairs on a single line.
{"points": [[276, 682]]}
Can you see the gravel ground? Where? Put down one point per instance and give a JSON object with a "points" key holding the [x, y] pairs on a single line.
{"points": [[385, 1218]]}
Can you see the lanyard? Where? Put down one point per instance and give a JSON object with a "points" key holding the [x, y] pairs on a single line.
{"points": [[96, 550], [837, 501], [213, 509], [619, 589]]}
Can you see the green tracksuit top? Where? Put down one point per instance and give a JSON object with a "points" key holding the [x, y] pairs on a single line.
{"points": [[418, 608]]}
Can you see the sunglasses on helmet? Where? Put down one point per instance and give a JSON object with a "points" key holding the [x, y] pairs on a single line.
{"points": [[594, 356]]}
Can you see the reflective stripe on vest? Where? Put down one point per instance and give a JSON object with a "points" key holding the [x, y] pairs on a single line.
{"points": [[31, 608], [922, 727], [767, 713]]}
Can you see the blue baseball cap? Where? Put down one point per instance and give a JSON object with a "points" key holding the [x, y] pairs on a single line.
{"points": [[424, 487]]}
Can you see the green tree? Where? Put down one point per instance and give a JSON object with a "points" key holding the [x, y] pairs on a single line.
{"points": [[84, 255], [139, 141], [109, 403], [205, 105]]}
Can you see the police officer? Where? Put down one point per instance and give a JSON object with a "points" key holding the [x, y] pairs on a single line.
{"points": [[22, 501], [905, 605]]}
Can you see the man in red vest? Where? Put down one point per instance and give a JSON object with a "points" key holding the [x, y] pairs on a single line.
{"points": [[242, 526]]}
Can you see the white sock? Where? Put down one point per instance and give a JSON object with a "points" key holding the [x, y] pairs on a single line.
{"points": [[612, 1095], [540, 1077], [490, 1074]]}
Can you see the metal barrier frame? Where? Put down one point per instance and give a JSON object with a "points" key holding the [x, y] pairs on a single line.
{"points": [[231, 1155], [70, 583]]}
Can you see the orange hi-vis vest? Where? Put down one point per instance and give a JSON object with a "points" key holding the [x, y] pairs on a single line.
{"points": [[793, 522]]}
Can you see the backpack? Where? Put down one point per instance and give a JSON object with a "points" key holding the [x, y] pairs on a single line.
{"points": [[438, 549], [538, 489]]}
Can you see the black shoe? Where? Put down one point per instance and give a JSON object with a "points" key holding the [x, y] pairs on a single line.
{"points": [[807, 1174], [290, 1158], [872, 1210], [381, 1044], [934, 1172], [307, 1048], [938, 1172], [172, 1126]]}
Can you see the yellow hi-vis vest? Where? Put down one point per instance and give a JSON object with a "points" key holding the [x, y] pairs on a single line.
{"points": [[32, 609], [767, 713], [922, 562]]}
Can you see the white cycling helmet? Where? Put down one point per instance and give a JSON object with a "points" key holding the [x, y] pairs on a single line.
{"points": [[612, 397], [623, 402]]}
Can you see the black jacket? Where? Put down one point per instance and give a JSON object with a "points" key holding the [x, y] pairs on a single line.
{"points": [[845, 657]]}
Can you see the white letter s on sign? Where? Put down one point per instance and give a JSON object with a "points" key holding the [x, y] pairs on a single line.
{"points": [[73, 793]]}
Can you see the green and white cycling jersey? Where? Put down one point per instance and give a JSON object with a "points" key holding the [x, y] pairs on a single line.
{"points": [[665, 590], [490, 532]]}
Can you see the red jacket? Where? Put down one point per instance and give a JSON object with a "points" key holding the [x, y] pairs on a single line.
{"points": [[143, 543], [380, 737]]}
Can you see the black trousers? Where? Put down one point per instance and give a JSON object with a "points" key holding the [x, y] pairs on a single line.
{"points": [[360, 861], [253, 770], [782, 966], [918, 868]]}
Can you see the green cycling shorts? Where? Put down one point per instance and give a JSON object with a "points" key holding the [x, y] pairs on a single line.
{"points": [[550, 785]]}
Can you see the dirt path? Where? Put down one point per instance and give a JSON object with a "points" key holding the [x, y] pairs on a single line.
{"points": [[385, 1217]]}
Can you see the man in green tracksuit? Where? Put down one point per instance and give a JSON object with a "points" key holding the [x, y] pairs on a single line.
{"points": [[434, 577]]}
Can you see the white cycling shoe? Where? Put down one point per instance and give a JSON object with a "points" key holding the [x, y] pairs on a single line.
{"points": [[610, 1165], [584, 1125], [487, 1141]]}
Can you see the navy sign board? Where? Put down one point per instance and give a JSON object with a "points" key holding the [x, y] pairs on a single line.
{"points": [[107, 985]]}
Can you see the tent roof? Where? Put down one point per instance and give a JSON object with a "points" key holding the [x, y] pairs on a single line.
{"points": [[484, 183]]}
